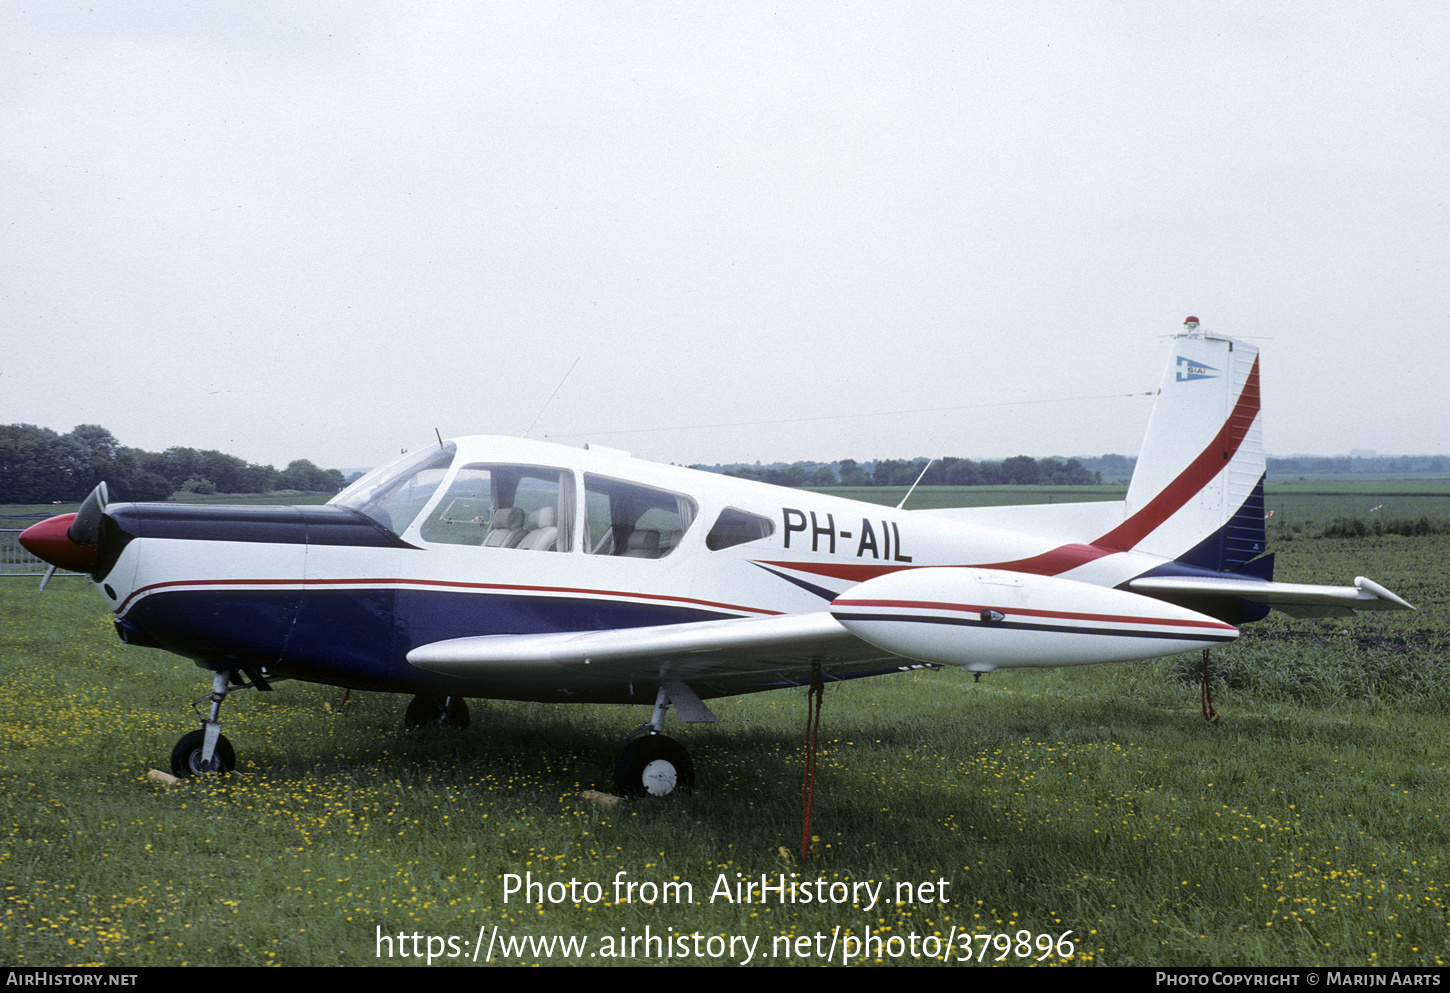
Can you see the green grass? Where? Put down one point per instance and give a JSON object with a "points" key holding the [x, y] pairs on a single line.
{"points": [[1306, 826]]}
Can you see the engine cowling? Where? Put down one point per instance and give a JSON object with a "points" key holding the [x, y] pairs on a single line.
{"points": [[984, 619]]}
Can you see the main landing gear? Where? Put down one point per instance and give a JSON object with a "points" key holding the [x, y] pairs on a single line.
{"points": [[207, 751], [436, 711], [652, 764]]}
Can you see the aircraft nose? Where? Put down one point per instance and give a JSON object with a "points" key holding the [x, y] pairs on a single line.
{"points": [[50, 540]]}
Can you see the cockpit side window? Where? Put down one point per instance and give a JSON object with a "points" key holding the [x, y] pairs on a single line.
{"points": [[736, 527], [634, 521], [505, 506]]}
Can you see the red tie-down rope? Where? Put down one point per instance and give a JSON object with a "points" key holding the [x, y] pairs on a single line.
{"points": [[1206, 695], [813, 728]]}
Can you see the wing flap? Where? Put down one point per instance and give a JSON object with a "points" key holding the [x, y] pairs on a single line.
{"points": [[1294, 599]]}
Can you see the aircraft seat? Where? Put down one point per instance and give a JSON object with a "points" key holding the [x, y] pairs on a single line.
{"points": [[543, 533], [643, 545], [505, 528]]}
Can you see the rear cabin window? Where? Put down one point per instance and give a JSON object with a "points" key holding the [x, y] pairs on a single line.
{"points": [[736, 527], [634, 521], [505, 506]]}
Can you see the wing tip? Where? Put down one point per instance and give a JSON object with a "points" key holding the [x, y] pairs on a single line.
{"points": [[1370, 586]]}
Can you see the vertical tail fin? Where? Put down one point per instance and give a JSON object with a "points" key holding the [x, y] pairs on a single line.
{"points": [[1197, 493]]}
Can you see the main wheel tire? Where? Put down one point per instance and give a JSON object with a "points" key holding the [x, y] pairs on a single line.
{"points": [[653, 766], [186, 756], [433, 711]]}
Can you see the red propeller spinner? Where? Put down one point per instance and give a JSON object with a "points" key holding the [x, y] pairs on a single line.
{"points": [[70, 541]]}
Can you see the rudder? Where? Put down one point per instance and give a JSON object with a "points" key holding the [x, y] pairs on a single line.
{"points": [[1197, 494]]}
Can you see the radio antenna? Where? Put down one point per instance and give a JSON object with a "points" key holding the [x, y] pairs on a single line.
{"points": [[929, 464], [549, 401], [918, 480]]}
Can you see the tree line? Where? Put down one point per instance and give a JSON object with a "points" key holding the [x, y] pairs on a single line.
{"points": [[1023, 470], [38, 465], [1020, 470], [1368, 465]]}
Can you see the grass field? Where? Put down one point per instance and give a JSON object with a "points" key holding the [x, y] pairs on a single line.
{"points": [[1306, 826]]}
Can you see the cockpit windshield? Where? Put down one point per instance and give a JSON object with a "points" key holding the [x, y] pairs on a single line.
{"points": [[394, 495]]}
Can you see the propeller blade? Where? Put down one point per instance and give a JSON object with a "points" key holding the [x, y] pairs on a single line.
{"points": [[46, 578], [86, 529]]}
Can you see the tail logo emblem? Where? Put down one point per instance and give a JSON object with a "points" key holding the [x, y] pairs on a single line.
{"points": [[1188, 369]]}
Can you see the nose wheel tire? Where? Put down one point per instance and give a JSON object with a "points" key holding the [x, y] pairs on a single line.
{"points": [[436, 711], [653, 765], [186, 756]]}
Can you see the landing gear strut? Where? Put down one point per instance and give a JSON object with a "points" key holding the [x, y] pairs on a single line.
{"points": [[206, 751], [652, 764], [438, 711]]}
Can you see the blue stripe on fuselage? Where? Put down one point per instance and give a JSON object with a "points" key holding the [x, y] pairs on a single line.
{"points": [[360, 637]]}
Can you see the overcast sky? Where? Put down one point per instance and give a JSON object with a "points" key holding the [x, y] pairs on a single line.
{"points": [[325, 229]]}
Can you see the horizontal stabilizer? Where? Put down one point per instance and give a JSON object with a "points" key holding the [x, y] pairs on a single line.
{"points": [[1294, 599]]}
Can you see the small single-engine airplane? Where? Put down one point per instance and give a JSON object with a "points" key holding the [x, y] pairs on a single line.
{"points": [[505, 568]]}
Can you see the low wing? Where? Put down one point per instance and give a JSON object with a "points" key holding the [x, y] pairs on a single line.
{"points": [[978, 618], [716, 658], [1294, 599]]}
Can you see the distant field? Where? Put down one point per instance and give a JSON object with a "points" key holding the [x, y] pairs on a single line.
{"points": [[284, 498], [262, 499], [1334, 479], [1292, 504], [933, 497], [1399, 498]]}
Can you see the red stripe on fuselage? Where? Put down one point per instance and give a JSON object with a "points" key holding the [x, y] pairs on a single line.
{"points": [[305, 584]]}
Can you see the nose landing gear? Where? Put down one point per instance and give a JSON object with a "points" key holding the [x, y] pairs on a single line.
{"points": [[207, 751], [189, 757]]}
